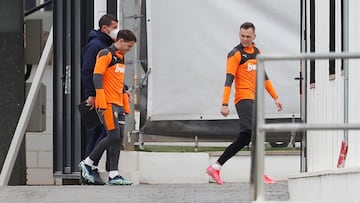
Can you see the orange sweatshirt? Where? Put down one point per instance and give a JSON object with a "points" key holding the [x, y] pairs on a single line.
{"points": [[241, 67], [109, 73]]}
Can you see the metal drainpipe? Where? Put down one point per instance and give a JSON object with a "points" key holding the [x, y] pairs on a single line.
{"points": [[138, 68], [121, 14], [346, 66]]}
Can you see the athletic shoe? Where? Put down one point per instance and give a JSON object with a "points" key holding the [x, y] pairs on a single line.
{"points": [[268, 180], [119, 180], [89, 176], [86, 172], [215, 174], [97, 178], [82, 180]]}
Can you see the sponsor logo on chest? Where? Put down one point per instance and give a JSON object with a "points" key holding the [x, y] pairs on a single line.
{"points": [[119, 69], [251, 67]]}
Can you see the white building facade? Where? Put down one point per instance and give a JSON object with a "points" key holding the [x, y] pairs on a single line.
{"points": [[326, 101]]}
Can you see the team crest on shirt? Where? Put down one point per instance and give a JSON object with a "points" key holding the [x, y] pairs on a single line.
{"points": [[119, 69], [251, 67]]}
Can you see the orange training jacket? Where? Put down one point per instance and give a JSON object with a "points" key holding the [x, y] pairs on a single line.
{"points": [[109, 73], [241, 67]]}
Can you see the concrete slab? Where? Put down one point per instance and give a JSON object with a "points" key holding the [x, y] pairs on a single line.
{"points": [[162, 167], [159, 193], [336, 185]]}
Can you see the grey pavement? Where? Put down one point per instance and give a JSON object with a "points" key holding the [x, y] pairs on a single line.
{"points": [[169, 193]]}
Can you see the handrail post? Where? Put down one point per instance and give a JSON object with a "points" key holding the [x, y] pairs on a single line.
{"points": [[260, 134]]}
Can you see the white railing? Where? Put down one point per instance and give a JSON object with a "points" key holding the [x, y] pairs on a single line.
{"points": [[257, 183]]}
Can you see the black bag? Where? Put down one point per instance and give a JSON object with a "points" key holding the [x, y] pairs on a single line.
{"points": [[90, 117]]}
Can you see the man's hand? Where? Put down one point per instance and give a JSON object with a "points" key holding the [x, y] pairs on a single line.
{"points": [[101, 111], [90, 102], [225, 111], [129, 96], [279, 105]]}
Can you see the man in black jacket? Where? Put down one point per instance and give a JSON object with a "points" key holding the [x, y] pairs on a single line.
{"points": [[97, 40]]}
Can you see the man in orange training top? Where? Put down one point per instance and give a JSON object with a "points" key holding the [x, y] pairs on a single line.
{"points": [[241, 67], [112, 104], [97, 40]]}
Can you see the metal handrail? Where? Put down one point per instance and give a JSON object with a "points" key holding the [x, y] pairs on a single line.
{"points": [[287, 127], [261, 127], [36, 8]]}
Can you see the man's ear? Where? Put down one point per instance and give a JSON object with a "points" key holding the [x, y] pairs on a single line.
{"points": [[102, 29]]}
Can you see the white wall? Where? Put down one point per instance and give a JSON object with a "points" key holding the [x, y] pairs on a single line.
{"points": [[325, 102], [99, 10], [39, 146], [354, 83]]}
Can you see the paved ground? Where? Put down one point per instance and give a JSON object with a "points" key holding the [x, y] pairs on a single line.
{"points": [[174, 193]]}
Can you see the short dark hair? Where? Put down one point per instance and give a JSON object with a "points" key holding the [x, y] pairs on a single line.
{"points": [[247, 25], [107, 19], [127, 35]]}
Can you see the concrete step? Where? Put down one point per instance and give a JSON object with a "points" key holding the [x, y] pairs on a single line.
{"points": [[159, 193], [173, 167], [334, 185]]}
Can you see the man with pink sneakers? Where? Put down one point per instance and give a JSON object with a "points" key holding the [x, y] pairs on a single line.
{"points": [[241, 67]]}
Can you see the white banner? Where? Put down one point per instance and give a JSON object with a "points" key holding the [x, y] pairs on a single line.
{"points": [[188, 42]]}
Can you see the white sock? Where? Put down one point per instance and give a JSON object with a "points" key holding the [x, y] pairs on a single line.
{"points": [[216, 166], [89, 162], [112, 174]]}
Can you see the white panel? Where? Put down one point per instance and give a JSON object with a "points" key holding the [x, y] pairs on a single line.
{"points": [[99, 10], [353, 158], [326, 101], [188, 42]]}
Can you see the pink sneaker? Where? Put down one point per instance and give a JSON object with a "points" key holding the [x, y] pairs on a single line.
{"points": [[268, 180], [215, 174]]}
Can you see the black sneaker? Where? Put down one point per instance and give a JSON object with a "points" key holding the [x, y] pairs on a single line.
{"points": [[89, 176], [82, 180], [97, 179]]}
